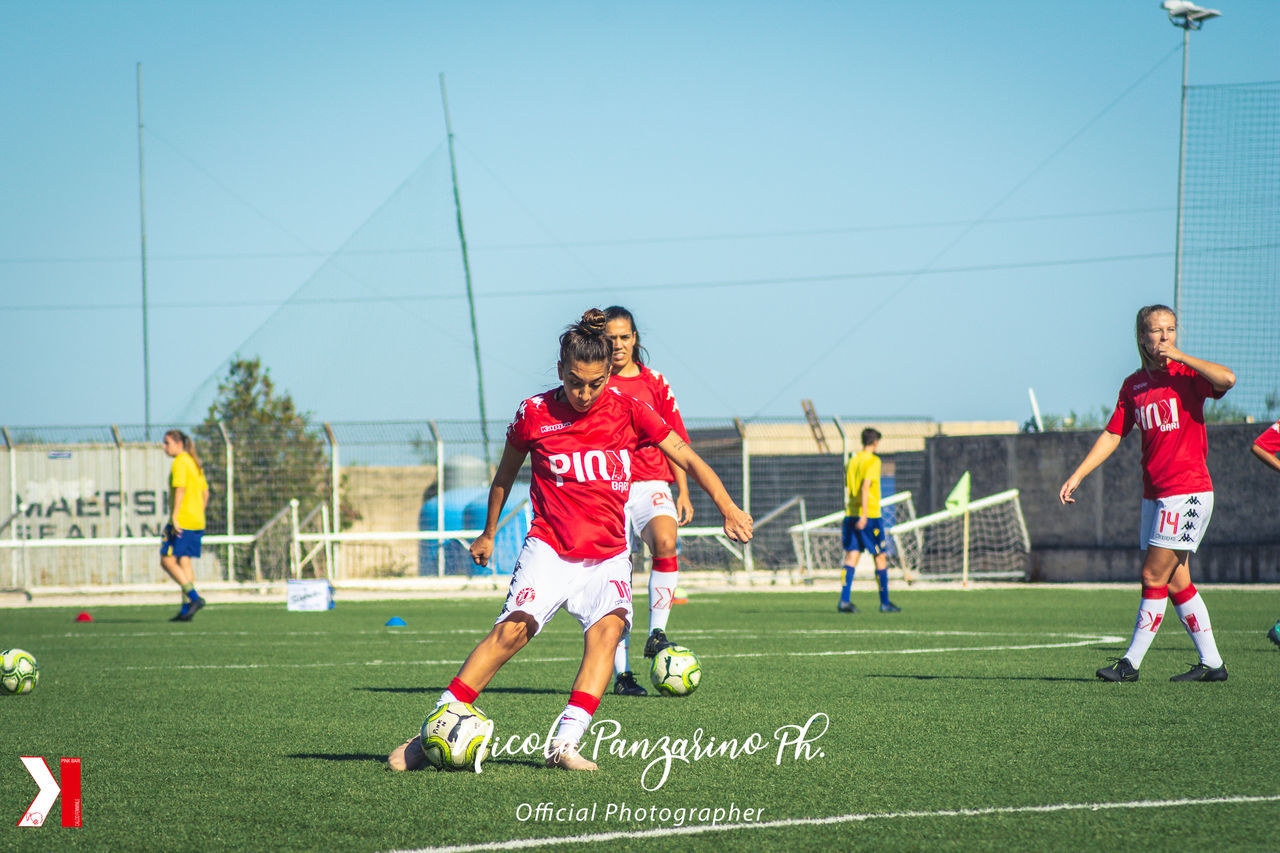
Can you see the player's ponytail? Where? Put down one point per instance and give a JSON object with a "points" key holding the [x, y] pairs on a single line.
{"points": [[188, 446], [1149, 361], [585, 341]]}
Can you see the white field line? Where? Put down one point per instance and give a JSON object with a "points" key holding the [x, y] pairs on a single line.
{"points": [[666, 832], [1088, 640]]}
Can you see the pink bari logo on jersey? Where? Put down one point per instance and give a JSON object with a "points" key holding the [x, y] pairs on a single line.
{"points": [[38, 811], [1169, 520], [1161, 415], [623, 588], [593, 465], [524, 596]]}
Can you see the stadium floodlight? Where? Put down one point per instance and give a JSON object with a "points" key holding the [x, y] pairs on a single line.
{"points": [[1189, 17]]}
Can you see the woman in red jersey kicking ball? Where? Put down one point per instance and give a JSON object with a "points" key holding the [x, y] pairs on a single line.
{"points": [[1165, 399], [582, 437], [653, 513]]}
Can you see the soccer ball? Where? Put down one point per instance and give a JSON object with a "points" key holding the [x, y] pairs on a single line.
{"points": [[19, 671], [456, 737], [676, 671]]}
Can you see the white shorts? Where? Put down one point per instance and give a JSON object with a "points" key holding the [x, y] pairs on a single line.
{"points": [[1177, 522], [648, 500], [543, 582]]}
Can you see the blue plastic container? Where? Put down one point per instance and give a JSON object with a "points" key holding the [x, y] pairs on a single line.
{"points": [[466, 509]]}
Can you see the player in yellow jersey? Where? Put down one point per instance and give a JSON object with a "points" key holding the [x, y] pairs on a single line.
{"points": [[862, 529], [188, 496]]}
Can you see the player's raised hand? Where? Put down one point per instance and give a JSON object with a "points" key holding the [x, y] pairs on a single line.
{"points": [[482, 549], [738, 525], [1166, 349]]}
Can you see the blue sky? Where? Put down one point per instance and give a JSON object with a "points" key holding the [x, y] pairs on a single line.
{"points": [[891, 209]]}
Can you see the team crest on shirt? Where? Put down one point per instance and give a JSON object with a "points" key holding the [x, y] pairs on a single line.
{"points": [[524, 596]]}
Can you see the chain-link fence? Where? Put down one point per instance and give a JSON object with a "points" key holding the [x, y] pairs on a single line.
{"points": [[367, 500]]}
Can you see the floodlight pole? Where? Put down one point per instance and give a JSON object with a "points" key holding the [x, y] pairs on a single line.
{"points": [[466, 270], [1182, 169], [142, 221], [1188, 17]]}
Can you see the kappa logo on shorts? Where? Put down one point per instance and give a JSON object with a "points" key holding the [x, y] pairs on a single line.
{"points": [[1186, 537], [1193, 501], [1191, 513], [524, 596], [1190, 525]]}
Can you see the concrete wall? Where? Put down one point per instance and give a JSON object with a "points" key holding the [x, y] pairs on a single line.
{"points": [[1096, 538]]}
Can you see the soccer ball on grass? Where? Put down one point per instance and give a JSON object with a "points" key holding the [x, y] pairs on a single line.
{"points": [[456, 736], [19, 671], [676, 671]]}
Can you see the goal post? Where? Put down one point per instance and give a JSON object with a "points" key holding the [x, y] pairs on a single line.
{"points": [[987, 538], [817, 543]]}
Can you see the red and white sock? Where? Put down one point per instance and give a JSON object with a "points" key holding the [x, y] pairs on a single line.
{"points": [[620, 657], [457, 691], [1195, 618], [1150, 614], [662, 590], [576, 717]]}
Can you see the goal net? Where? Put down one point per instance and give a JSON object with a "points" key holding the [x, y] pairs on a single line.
{"points": [[985, 539], [817, 544]]}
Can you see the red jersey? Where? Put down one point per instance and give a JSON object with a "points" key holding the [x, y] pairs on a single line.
{"points": [[1270, 440], [582, 468], [1169, 407], [651, 387]]}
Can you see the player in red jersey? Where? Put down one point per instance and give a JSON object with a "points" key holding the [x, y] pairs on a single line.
{"points": [[653, 513], [582, 437], [1265, 447], [1165, 399]]}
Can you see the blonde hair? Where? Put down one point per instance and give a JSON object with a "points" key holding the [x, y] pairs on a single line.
{"points": [[188, 446], [1149, 361]]}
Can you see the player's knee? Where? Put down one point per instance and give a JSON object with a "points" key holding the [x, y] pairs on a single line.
{"points": [[664, 545], [515, 631]]}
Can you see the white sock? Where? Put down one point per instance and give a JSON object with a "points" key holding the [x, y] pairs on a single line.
{"points": [[662, 590], [1195, 618], [446, 697], [620, 664], [573, 725], [1150, 614]]}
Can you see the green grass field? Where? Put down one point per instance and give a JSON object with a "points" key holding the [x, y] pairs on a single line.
{"points": [[972, 720]]}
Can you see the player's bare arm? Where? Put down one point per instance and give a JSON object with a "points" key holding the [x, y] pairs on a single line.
{"points": [[1102, 448], [861, 523], [503, 478], [684, 506], [1221, 377], [1268, 459], [178, 494], [737, 524]]}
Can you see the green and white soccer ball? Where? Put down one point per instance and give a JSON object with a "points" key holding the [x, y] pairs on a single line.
{"points": [[676, 671], [456, 736], [19, 671]]}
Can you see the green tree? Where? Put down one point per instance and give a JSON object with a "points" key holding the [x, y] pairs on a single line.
{"points": [[277, 454]]}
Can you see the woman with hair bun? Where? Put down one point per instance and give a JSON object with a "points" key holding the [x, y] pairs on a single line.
{"points": [[1165, 398], [581, 437]]}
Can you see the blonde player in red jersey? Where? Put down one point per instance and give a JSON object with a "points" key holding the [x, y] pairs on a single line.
{"points": [[1165, 399], [1265, 447], [582, 437], [653, 513]]}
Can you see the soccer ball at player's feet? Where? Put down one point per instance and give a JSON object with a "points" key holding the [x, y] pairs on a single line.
{"points": [[676, 671], [1274, 634], [657, 642], [456, 736], [18, 671]]}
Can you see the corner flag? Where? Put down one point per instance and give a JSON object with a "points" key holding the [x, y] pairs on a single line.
{"points": [[959, 497]]}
